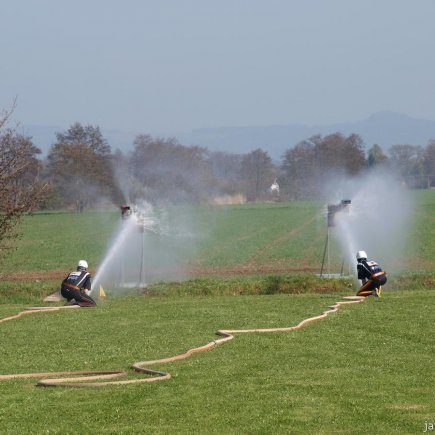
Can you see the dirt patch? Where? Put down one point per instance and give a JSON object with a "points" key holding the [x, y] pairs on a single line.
{"points": [[248, 269], [229, 199]]}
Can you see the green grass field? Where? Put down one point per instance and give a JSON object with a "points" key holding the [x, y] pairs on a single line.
{"points": [[366, 369], [256, 235], [334, 376], [221, 236], [52, 241]]}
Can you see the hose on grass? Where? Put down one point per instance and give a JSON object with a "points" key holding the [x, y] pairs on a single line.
{"points": [[84, 379]]}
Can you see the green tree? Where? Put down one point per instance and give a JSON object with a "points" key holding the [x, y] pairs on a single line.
{"points": [[376, 156], [80, 167]]}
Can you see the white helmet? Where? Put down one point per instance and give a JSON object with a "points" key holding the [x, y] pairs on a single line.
{"points": [[82, 264], [361, 255]]}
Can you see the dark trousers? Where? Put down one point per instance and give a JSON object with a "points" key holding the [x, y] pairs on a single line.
{"points": [[373, 285], [82, 299]]}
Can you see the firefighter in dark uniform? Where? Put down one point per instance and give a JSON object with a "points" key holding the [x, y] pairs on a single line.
{"points": [[76, 286], [371, 275]]}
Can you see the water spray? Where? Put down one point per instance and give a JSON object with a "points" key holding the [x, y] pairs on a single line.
{"points": [[376, 220], [123, 265], [148, 246]]}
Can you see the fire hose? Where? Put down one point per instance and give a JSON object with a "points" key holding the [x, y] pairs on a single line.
{"points": [[81, 379]]}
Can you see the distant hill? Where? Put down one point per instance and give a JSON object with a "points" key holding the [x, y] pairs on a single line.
{"points": [[383, 128]]}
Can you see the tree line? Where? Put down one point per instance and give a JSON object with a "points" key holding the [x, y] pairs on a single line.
{"points": [[81, 170]]}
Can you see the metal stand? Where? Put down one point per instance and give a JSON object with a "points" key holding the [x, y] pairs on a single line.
{"points": [[326, 257], [325, 253], [141, 280]]}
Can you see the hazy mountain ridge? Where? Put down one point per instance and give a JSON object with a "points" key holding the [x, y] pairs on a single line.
{"points": [[383, 128]]}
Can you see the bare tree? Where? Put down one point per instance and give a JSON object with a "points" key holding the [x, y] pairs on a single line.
{"points": [[408, 161], [429, 162], [258, 172], [337, 154], [168, 171], [299, 168], [88, 135], [20, 189], [312, 162], [226, 169]]}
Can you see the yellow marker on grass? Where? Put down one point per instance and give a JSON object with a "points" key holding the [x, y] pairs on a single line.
{"points": [[101, 293]]}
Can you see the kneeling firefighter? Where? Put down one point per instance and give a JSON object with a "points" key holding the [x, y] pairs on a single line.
{"points": [[76, 286], [371, 275]]}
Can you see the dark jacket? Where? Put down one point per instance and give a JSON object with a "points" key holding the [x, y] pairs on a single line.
{"points": [[78, 280], [370, 270]]}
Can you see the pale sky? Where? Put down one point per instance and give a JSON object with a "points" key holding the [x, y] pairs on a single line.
{"points": [[167, 66]]}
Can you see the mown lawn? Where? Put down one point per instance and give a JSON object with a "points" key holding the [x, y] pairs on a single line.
{"points": [[365, 369]]}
